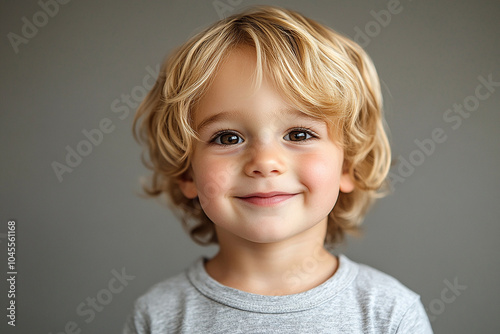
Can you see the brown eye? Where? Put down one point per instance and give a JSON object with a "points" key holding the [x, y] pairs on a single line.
{"points": [[228, 139], [298, 135]]}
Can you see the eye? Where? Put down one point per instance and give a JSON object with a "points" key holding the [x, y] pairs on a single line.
{"points": [[299, 135], [227, 138]]}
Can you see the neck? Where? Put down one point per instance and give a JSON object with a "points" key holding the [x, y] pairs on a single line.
{"points": [[286, 267]]}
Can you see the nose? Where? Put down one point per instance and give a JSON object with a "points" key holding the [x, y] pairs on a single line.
{"points": [[265, 160]]}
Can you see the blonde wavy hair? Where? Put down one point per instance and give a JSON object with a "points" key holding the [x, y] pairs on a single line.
{"points": [[321, 72]]}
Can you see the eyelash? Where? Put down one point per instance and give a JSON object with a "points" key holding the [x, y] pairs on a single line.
{"points": [[304, 129]]}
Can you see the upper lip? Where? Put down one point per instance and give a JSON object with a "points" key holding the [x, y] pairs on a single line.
{"points": [[270, 194]]}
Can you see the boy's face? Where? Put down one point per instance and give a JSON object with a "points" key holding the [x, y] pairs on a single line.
{"points": [[263, 171]]}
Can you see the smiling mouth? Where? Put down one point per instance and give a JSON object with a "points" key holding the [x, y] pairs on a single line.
{"points": [[266, 199]]}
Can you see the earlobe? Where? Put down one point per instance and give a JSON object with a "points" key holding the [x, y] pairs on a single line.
{"points": [[346, 183], [187, 185]]}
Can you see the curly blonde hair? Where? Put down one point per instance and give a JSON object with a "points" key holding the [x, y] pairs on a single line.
{"points": [[323, 73]]}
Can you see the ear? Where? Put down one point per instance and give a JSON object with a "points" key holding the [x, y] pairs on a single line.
{"points": [[346, 182], [187, 185]]}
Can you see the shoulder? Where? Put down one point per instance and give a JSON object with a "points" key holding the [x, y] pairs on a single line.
{"points": [[157, 310], [377, 284], [373, 284], [385, 301], [166, 295]]}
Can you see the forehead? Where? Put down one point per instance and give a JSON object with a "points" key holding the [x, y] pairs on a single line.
{"points": [[232, 85], [231, 94], [233, 77]]}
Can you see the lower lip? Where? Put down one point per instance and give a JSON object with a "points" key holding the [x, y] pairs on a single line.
{"points": [[266, 201]]}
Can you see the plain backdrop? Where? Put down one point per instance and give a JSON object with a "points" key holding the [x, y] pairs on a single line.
{"points": [[73, 72]]}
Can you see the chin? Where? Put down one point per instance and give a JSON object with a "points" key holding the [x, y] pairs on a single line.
{"points": [[268, 234]]}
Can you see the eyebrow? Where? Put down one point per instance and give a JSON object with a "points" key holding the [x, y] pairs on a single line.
{"points": [[224, 115], [227, 115]]}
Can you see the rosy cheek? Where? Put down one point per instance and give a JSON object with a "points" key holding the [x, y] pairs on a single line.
{"points": [[320, 172], [212, 178]]}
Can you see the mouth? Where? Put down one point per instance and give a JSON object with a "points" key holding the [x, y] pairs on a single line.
{"points": [[266, 199]]}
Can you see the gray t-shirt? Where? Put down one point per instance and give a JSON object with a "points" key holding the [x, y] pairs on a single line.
{"points": [[356, 299]]}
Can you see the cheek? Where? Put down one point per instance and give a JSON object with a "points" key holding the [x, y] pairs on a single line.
{"points": [[212, 177], [320, 173]]}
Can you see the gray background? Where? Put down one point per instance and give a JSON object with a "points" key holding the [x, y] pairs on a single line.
{"points": [[440, 224]]}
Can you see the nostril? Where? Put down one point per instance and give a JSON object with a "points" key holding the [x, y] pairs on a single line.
{"points": [[265, 160], [266, 172]]}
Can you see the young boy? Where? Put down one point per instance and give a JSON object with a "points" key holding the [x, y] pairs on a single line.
{"points": [[265, 130]]}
